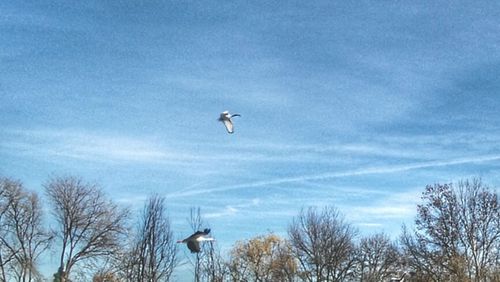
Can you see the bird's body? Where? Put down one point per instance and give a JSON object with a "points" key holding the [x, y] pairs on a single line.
{"points": [[193, 241], [226, 118]]}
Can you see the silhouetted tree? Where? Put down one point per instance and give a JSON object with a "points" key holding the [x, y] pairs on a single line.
{"points": [[323, 244], [89, 225], [209, 264], [264, 258], [196, 223], [6, 254], [153, 256], [377, 258], [457, 233], [214, 268], [23, 238]]}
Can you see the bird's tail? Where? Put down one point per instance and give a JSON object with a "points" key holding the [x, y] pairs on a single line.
{"points": [[206, 231]]}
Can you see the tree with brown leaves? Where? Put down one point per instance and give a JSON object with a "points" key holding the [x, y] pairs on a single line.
{"points": [[264, 258]]}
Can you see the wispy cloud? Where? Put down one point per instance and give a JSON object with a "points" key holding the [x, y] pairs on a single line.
{"points": [[369, 224], [86, 146], [230, 210], [385, 212], [101, 147], [131, 200], [104, 147], [356, 172]]}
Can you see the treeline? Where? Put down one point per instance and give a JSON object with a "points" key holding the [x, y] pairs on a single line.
{"points": [[455, 237]]}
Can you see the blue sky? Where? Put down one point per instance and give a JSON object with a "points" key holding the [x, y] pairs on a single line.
{"points": [[359, 104]]}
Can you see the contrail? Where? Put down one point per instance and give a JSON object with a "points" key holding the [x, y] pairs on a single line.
{"points": [[356, 172]]}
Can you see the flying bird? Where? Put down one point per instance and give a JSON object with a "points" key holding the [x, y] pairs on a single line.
{"points": [[193, 241], [226, 117]]}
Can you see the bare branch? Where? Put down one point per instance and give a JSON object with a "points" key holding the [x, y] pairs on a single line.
{"points": [[89, 225], [457, 233], [153, 255], [323, 243], [23, 239]]}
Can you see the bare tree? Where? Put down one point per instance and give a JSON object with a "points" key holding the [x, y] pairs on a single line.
{"points": [[196, 222], [209, 264], [323, 243], [264, 258], [479, 228], [424, 261], [457, 233], [89, 225], [215, 268], [433, 248], [8, 187], [23, 236], [154, 253], [5, 254], [377, 258]]}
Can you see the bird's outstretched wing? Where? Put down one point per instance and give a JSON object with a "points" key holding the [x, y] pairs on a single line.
{"points": [[193, 246], [225, 117], [229, 125]]}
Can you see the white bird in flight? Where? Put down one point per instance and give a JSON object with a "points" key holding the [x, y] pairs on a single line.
{"points": [[225, 117], [193, 241]]}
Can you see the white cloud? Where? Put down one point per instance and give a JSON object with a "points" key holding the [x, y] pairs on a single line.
{"points": [[99, 147], [394, 207], [231, 210], [369, 224], [131, 200], [348, 173], [397, 210]]}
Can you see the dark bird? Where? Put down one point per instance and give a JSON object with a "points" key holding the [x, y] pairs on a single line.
{"points": [[193, 241], [226, 118]]}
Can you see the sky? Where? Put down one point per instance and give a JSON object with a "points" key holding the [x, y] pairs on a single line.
{"points": [[352, 104]]}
